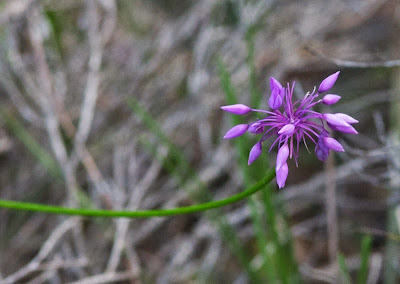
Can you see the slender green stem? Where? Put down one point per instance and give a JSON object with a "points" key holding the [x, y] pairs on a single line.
{"points": [[366, 244], [26, 206]]}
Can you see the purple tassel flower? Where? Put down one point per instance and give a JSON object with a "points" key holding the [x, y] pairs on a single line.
{"points": [[295, 124]]}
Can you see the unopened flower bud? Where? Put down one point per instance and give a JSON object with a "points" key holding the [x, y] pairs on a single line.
{"points": [[275, 101], [256, 128], [282, 156], [281, 175], [335, 120], [255, 152], [330, 99], [345, 129], [346, 118], [333, 144], [274, 84], [321, 150], [288, 129], [237, 109], [328, 82], [236, 131]]}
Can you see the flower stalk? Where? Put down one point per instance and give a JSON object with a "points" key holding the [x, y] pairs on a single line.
{"points": [[59, 210]]}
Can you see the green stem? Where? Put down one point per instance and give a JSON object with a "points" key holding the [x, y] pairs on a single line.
{"points": [[26, 206]]}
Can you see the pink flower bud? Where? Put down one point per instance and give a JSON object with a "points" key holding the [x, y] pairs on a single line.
{"points": [[330, 99], [346, 129], [256, 128], [288, 129], [333, 144], [281, 175], [274, 84], [346, 118], [328, 82], [236, 131], [237, 109], [255, 152], [322, 152], [275, 101], [335, 120], [282, 156]]}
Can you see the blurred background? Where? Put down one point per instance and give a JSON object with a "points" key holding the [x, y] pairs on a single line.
{"points": [[116, 105]]}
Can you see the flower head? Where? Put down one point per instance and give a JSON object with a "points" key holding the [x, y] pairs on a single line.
{"points": [[294, 124]]}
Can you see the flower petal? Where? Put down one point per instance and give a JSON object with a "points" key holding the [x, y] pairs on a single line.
{"points": [[281, 175], [328, 82], [237, 109], [236, 131], [255, 152]]}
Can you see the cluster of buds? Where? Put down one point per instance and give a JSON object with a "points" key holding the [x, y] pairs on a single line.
{"points": [[296, 123]]}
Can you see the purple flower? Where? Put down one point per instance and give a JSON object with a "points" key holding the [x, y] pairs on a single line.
{"points": [[294, 124]]}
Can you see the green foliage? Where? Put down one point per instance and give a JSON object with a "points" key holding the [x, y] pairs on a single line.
{"points": [[344, 271], [365, 253], [225, 13], [40, 153], [56, 27]]}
